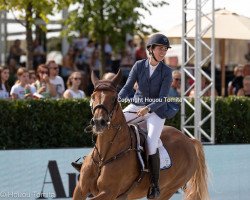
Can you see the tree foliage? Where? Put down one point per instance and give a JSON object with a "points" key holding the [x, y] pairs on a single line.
{"points": [[113, 19], [29, 11]]}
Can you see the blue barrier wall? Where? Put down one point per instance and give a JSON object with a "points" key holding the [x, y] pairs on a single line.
{"points": [[25, 174]]}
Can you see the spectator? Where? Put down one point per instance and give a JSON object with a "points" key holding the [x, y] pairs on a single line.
{"points": [[95, 62], [175, 89], [204, 84], [4, 86], [109, 76], [88, 51], [116, 60], [128, 59], [247, 55], [73, 84], [20, 90], [32, 77], [55, 79], [68, 65], [39, 55], [140, 52], [108, 54], [245, 91], [31, 82], [173, 106], [15, 54], [236, 83], [43, 86], [81, 42], [81, 61], [246, 70]]}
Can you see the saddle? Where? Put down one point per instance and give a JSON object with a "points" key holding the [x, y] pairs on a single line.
{"points": [[141, 147], [141, 138]]}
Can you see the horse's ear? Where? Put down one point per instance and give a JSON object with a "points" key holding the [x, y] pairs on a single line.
{"points": [[94, 78], [117, 79]]}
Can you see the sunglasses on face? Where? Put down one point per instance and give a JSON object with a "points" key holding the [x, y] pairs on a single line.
{"points": [[177, 79], [77, 78]]}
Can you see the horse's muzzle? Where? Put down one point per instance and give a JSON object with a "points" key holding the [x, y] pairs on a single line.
{"points": [[99, 124]]}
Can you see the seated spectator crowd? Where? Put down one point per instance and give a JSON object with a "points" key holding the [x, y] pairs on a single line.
{"points": [[44, 83]]}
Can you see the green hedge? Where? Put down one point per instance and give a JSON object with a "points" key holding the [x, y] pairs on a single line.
{"points": [[61, 123], [232, 120], [44, 124]]}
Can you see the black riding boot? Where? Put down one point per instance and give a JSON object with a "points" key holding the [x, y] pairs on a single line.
{"points": [[77, 166], [154, 168]]}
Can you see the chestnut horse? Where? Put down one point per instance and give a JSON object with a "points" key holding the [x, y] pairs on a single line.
{"points": [[112, 170]]}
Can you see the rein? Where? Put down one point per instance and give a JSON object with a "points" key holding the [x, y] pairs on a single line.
{"points": [[102, 162]]}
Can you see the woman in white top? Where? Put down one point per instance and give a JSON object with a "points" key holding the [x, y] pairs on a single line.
{"points": [[4, 87], [73, 84]]}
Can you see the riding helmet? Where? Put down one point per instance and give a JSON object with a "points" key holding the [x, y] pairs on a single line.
{"points": [[158, 39]]}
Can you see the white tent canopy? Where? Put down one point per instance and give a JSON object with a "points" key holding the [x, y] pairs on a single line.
{"points": [[228, 25]]}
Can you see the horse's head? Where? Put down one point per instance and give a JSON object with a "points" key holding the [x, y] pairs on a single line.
{"points": [[103, 101]]}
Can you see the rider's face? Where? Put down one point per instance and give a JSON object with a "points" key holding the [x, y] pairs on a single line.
{"points": [[160, 52]]}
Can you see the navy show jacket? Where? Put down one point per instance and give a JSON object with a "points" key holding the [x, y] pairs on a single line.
{"points": [[152, 91]]}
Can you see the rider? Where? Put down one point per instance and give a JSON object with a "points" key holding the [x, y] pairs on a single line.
{"points": [[154, 79]]}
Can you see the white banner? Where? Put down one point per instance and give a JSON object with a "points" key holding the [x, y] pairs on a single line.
{"points": [[38, 174]]}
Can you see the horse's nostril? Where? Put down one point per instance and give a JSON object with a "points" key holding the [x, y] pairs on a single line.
{"points": [[103, 122]]}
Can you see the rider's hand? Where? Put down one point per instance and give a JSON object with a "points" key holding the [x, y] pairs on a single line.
{"points": [[143, 111]]}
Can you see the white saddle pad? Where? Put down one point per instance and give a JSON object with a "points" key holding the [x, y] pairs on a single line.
{"points": [[165, 161]]}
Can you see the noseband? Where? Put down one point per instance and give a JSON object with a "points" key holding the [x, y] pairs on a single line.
{"points": [[105, 85]]}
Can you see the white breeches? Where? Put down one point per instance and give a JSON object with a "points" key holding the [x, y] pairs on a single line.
{"points": [[154, 126]]}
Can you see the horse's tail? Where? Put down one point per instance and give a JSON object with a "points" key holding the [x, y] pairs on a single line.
{"points": [[197, 186]]}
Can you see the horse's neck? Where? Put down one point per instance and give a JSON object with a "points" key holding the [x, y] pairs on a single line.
{"points": [[116, 138]]}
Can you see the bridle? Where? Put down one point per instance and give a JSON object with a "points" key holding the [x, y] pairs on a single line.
{"points": [[104, 85], [102, 161]]}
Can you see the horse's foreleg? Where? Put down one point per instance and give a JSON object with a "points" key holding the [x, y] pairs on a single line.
{"points": [[104, 195], [78, 193]]}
